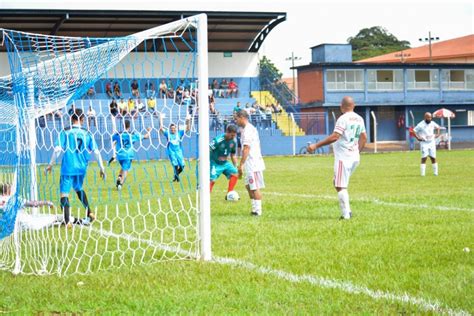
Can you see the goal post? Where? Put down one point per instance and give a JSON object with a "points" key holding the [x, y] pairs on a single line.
{"points": [[204, 166], [158, 81]]}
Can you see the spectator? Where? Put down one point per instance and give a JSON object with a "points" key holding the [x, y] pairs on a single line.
{"points": [[258, 116], [117, 91], [277, 108], [134, 86], [131, 106], [179, 92], [249, 109], [224, 87], [163, 89], [186, 97], [58, 114], [212, 107], [170, 89], [108, 89], [113, 108], [141, 107], [215, 121], [72, 110], [233, 89], [216, 88], [91, 92], [42, 121], [210, 93], [237, 108], [268, 116], [91, 117], [151, 103], [150, 90], [212, 100], [123, 107]]}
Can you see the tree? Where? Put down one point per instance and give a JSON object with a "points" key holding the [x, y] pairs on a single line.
{"points": [[269, 73], [374, 41], [270, 80]]}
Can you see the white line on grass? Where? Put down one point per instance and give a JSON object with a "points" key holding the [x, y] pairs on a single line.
{"points": [[345, 286], [374, 201]]}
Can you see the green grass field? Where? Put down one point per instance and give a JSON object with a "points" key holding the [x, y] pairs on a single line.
{"points": [[406, 240]]}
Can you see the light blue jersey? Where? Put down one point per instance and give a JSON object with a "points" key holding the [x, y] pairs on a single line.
{"points": [[124, 144], [174, 140], [77, 145]]}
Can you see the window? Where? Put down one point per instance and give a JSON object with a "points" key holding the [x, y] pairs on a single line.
{"points": [[470, 118], [344, 80], [385, 79], [458, 79], [422, 79]]}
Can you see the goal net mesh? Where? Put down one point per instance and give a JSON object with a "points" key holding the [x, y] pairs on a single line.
{"points": [[148, 79]]}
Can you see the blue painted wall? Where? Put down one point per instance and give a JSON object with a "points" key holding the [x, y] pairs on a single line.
{"points": [[398, 97], [332, 53], [390, 104]]}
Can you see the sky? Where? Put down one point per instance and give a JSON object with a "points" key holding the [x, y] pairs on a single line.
{"points": [[310, 23]]}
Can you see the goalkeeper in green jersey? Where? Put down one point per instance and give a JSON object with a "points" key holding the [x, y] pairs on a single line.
{"points": [[220, 148]]}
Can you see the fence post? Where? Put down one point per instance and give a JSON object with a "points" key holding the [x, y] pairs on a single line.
{"points": [[293, 132], [375, 131], [449, 133]]}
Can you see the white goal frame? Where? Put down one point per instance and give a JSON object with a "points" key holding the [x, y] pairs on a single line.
{"points": [[203, 199]]}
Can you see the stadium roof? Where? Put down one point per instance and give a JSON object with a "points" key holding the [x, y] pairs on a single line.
{"points": [[228, 31]]}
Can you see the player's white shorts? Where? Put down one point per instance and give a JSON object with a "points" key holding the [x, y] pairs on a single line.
{"points": [[343, 170], [255, 180], [428, 149]]}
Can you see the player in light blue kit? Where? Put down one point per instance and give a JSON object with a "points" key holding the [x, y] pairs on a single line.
{"points": [[174, 138], [76, 144], [124, 152]]}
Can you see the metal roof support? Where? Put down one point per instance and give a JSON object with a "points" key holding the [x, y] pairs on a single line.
{"points": [[258, 41], [59, 23]]}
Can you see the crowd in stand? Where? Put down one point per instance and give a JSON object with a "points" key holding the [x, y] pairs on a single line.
{"points": [[120, 106], [224, 89], [260, 116]]}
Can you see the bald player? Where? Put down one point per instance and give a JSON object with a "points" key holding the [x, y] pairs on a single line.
{"points": [[425, 133], [349, 138]]}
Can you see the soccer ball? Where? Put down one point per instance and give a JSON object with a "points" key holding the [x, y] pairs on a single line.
{"points": [[232, 196]]}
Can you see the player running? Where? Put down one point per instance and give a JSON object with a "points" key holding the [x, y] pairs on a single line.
{"points": [[349, 138], [76, 144], [174, 138], [251, 162], [220, 148], [424, 132], [124, 152]]}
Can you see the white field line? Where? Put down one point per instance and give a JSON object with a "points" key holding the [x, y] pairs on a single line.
{"points": [[322, 282], [374, 201]]}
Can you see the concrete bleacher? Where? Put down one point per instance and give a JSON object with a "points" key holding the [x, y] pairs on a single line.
{"points": [[100, 103], [226, 106]]}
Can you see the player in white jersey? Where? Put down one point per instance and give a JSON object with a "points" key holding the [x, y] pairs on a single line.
{"points": [[425, 133], [251, 161], [349, 138]]}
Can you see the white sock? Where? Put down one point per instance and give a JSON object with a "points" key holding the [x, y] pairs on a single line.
{"points": [[343, 196], [423, 169], [253, 204], [435, 169], [258, 206]]}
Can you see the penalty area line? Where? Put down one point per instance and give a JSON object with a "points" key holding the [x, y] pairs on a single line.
{"points": [[374, 201], [321, 282]]}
